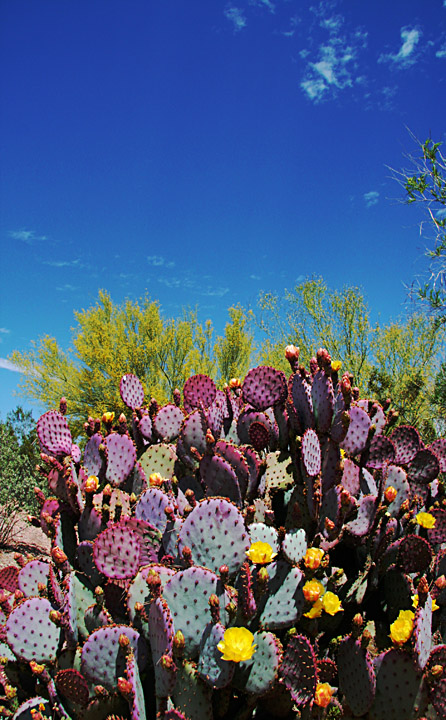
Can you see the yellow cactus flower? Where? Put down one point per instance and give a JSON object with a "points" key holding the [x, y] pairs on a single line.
{"points": [[323, 694], [313, 590], [415, 601], [426, 520], [235, 383], [390, 493], [237, 644], [313, 558], [316, 610], [402, 628], [331, 603], [336, 365], [261, 553], [108, 417]]}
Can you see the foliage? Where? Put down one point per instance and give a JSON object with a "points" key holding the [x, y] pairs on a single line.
{"points": [[111, 340], [398, 360], [425, 185], [18, 457], [312, 316]]}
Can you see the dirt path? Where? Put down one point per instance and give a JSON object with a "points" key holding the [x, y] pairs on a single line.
{"points": [[27, 540]]}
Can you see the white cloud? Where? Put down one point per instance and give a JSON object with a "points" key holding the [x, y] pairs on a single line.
{"points": [[235, 15], [254, 277], [266, 3], [8, 365], [5, 331], [406, 56], [371, 198], [159, 261], [27, 236], [63, 263], [334, 65], [441, 53], [67, 286], [191, 284]]}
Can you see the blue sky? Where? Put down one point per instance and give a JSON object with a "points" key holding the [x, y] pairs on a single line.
{"points": [[203, 151]]}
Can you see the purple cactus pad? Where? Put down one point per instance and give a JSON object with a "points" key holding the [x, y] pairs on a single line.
{"points": [[54, 433], [131, 391]]}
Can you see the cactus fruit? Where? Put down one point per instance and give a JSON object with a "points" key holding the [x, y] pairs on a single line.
{"points": [[285, 512]]}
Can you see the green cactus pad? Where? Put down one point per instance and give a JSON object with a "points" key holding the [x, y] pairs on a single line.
{"points": [[160, 637], [23, 712], [159, 459], [260, 532], [138, 590], [217, 673], [257, 675], [191, 695], [283, 604], [215, 533], [356, 675], [30, 633], [397, 687], [137, 702], [294, 545], [103, 661], [187, 594], [278, 474]]}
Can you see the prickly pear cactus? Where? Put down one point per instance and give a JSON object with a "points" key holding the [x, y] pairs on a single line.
{"points": [[273, 548]]}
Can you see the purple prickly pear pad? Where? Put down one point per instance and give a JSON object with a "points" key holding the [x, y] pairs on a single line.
{"points": [[131, 391], [54, 433]]}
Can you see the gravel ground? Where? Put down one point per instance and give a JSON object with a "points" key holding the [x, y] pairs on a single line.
{"points": [[27, 540]]}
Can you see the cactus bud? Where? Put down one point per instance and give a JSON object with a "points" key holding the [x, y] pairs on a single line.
{"points": [[313, 366], [58, 556], [436, 671], [190, 497], [178, 643], [108, 417], [422, 591], [100, 691], [125, 688], [177, 397], [224, 574], [292, 355], [440, 582], [63, 406], [214, 604], [210, 440], [187, 556], [55, 617], [390, 493], [167, 662], [235, 383], [262, 580], [323, 359], [357, 624]]}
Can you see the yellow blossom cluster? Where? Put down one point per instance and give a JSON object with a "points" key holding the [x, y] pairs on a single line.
{"points": [[402, 628], [426, 520], [313, 558], [328, 602]]}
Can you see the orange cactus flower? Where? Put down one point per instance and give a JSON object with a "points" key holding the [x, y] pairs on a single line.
{"points": [[313, 590], [323, 694], [313, 558]]}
